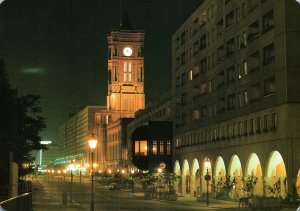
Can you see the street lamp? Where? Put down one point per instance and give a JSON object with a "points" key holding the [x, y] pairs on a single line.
{"points": [[132, 183], [92, 146], [207, 178], [71, 168]]}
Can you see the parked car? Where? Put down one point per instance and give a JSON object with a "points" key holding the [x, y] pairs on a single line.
{"points": [[114, 186]]}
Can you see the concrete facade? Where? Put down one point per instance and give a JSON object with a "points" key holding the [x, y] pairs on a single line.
{"points": [[235, 80]]}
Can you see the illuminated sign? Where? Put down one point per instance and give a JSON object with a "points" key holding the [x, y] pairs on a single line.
{"points": [[45, 142]]}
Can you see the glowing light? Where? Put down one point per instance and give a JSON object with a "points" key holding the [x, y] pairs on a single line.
{"points": [[109, 171], [45, 142], [159, 170], [92, 143]]}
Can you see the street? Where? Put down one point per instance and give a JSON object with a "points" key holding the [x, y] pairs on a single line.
{"points": [[48, 195]]}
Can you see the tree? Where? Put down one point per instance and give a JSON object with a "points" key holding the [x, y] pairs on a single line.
{"points": [[20, 126], [250, 184], [169, 178]]}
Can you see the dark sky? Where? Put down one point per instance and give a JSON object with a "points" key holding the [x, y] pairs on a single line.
{"points": [[57, 49]]}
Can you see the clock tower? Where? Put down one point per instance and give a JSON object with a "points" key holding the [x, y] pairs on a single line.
{"points": [[125, 71]]}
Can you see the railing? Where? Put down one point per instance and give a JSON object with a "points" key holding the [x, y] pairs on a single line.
{"points": [[18, 203]]}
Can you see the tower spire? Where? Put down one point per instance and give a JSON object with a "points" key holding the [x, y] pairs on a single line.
{"points": [[125, 22]]}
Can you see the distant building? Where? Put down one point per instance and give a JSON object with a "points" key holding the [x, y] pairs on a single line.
{"points": [[152, 146], [72, 137], [235, 79]]}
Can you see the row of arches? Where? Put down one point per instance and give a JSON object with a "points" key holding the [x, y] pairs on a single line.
{"points": [[192, 175]]}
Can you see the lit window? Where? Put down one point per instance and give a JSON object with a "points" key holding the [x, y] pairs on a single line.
{"points": [[168, 147], [191, 75], [154, 148], [127, 71], [161, 147], [140, 148]]}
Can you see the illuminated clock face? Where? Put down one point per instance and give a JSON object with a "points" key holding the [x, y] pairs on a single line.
{"points": [[127, 51]]}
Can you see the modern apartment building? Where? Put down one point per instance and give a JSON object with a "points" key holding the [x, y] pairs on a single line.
{"points": [[72, 137], [235, 80]]}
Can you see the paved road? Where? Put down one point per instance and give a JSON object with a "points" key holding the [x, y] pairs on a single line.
{"points": [[48, 195]]}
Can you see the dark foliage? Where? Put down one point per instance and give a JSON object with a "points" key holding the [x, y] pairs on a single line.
{"points": [[20, 126]]}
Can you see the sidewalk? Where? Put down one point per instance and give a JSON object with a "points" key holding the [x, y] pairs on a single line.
{"points": [[47, 196], [214, 204]]}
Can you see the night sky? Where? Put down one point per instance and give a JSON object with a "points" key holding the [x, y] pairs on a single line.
{"points": [[58, 49]]}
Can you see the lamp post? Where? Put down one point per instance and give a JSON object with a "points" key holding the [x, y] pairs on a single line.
{"points": [[132, 183], [92, 146], [71, 168], [207, 178]]}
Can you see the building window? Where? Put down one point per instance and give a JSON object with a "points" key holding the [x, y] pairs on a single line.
{"points": [[245, 68], [204, 88], [251, 127], [231, 102], [240, 100], [253, 31], [161, 147], [195, 26], [220, 53], [269, 86], [254, 62], [183, 79], [203, 112], [238, 15], [182, 38], [183, 58], [245, 98], [183, 119], [203, 65], [269, 54], [221, 105], [127, 71], [196, 115], [243, 9], [265, 123], [219, 28], [245, 127], [244, 40], [183, 99], [230, 74], [258, 124], [274, 121], [203, 42], [230, 47], [154, 147], [141, 74], [168, 147], [255, 92], [229, 19], [191, 75], [268, 21], [240, 128], [140, 148], [195, 48]]}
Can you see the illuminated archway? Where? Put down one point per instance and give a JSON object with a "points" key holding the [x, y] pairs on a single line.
{"points": [[298, 182], [253, 167], [236, 175], [203, 185], [195, 178], [177, 172], [186, 178], [219, 167], [276, 174]]}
